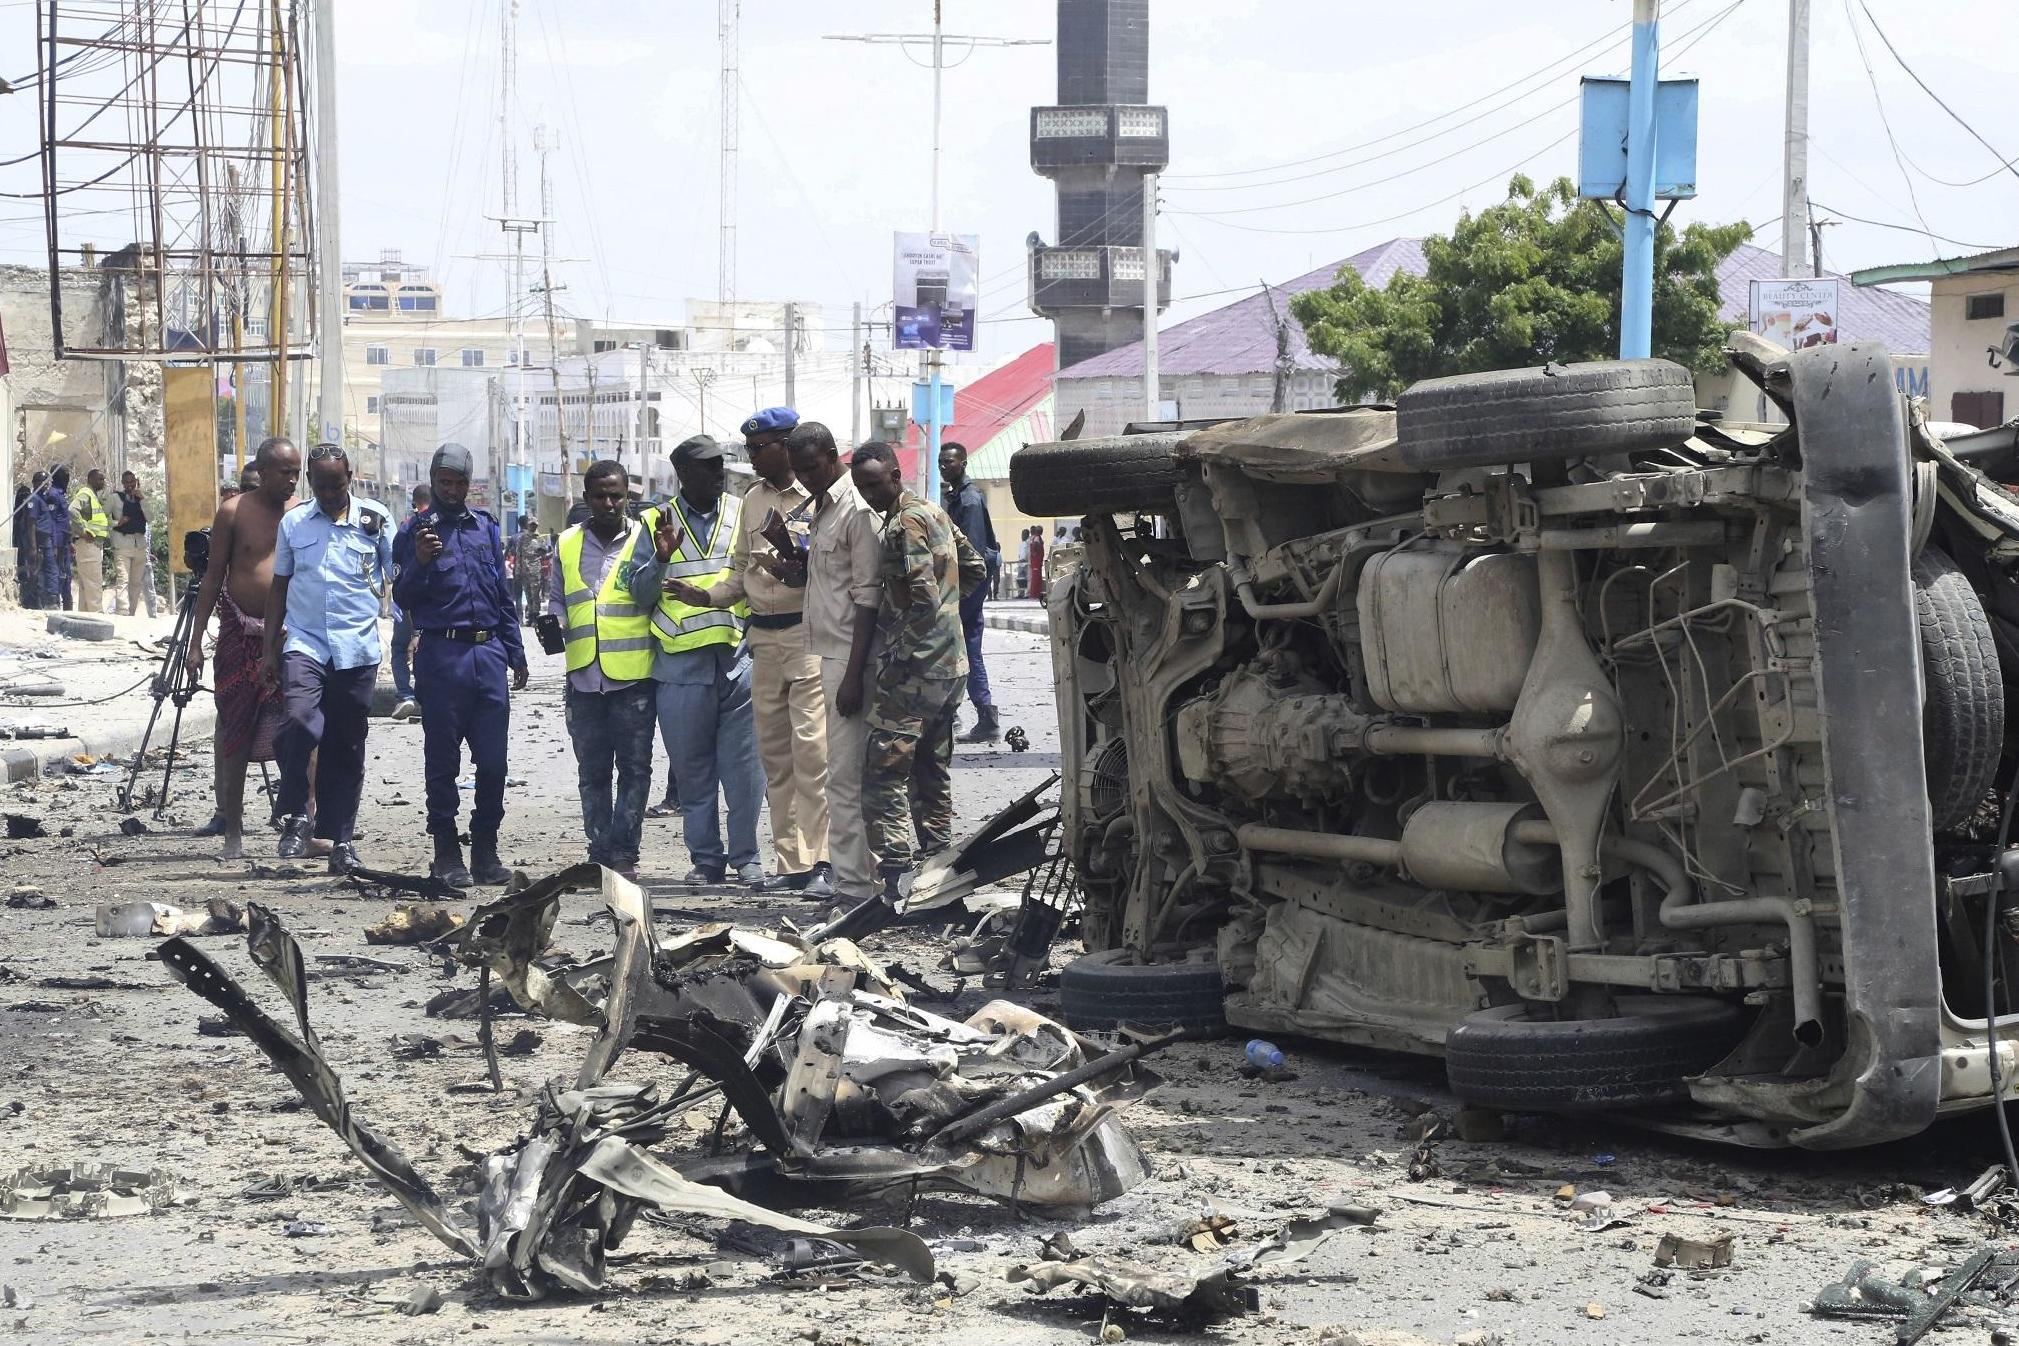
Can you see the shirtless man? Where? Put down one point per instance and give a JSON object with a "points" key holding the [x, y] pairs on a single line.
{"points": [[235, 585]]}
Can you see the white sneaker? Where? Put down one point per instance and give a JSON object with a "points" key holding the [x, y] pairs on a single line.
{"points": [[407, 710]]}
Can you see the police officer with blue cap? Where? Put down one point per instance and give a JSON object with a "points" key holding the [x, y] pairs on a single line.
{"points": [[449, 578]]}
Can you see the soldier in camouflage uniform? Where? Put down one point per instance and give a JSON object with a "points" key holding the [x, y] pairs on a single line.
{"points": [[921, 671]]}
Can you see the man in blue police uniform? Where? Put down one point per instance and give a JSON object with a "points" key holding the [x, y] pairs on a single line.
{"points": [[331, 561], [449, 578]]}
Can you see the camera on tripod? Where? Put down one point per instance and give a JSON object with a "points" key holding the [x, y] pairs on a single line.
{"points": [[196, 552]]}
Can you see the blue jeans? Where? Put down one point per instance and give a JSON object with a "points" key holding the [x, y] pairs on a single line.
{"points": [[403, 671], [710, 729], [613, 729], [971, 629], [56, 575]]}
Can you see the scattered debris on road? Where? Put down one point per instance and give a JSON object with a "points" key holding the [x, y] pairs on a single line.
{"points": [[842, 1089], [84, 1191]]}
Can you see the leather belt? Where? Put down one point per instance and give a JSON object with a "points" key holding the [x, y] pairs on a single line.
{"points": [[463, 635], [775, 621]]}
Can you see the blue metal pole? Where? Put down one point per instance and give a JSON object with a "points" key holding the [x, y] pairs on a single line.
{"points": [[1636, 305], [931, 473]]}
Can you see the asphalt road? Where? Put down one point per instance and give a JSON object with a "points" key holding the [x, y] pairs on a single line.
{"points": [[114, 1070]]}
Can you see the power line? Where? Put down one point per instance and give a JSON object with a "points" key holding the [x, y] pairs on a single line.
{"points": [[1688, 40], [1899, 159], [2005, 165], [1611, 35], [1908, 229]]}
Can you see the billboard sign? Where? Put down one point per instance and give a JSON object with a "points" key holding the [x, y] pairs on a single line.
{"points": [[1798, 312], [1601, 141], [937, 286]]}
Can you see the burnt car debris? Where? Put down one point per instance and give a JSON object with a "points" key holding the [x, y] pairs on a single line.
{"points": [[844, 1091], [1627, 757]]}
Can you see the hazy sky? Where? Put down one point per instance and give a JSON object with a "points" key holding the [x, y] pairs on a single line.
{"points": [[835, 135]]}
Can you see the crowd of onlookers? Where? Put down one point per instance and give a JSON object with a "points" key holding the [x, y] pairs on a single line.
{"points": [[1025, 574], [64, 539]]}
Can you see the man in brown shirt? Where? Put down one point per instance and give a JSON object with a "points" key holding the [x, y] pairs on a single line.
{"points": [[785, 688]]}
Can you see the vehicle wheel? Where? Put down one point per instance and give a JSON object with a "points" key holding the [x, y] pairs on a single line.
{"points": [[1105, 989], [1502, 1058], [1963, 715], [1557, 411], [1117, 474]]}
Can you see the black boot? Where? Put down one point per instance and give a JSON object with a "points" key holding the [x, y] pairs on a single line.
{"points": [[987, 729], [485, 867], [892, 877], [448, 865]]}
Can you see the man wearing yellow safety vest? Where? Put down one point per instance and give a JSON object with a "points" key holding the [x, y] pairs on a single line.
{"points": [[703, 667], [93, 529], [607, 636]]}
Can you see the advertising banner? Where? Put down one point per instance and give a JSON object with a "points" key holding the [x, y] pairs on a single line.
{"points": [[189, 453], [937, 286], [1798, 312]]}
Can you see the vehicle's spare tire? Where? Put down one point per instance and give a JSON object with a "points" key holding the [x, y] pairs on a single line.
{"points": [[1116, 474], [1547, 413], [1963, 710], [1502, 1058], [1109, 988]]}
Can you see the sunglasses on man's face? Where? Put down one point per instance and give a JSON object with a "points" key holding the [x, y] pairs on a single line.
{"points": [[324, 451]]}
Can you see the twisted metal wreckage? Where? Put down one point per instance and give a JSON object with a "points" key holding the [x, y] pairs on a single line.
{"points": [[846, 1090]]}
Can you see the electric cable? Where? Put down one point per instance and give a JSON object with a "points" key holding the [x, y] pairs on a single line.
{"points": [[2006, 166], [1904, 228]]}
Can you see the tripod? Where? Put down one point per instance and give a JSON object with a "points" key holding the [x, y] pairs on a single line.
{"points": [[171, 683]]}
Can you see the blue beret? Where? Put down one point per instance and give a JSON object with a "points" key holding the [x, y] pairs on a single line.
{"points": [[771, 419]]}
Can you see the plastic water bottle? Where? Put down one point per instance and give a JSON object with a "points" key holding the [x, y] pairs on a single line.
{"points": [[1264, 1055]]}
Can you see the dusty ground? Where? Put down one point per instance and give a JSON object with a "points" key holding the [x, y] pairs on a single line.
{"points": [[121, 1075]]}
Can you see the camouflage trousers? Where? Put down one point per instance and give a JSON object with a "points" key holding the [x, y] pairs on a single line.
{"points": [[907, 771]]}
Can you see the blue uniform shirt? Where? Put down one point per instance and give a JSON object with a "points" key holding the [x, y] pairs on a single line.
{"points": [[336, 571], [464, 586], [53, 520]]}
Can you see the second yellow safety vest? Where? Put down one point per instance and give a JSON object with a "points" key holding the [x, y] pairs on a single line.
{"points": [[605, 627]]}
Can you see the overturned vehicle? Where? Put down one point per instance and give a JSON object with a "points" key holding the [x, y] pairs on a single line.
{"points": [[1628, 758]]}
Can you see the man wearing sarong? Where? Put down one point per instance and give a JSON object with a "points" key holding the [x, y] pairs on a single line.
{"points": [[235, 586]]}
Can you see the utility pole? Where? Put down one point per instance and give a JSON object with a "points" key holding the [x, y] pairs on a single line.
{"points": [[1795, 147], [727, 18], [544, 141], [1279, 384], [1816, 228], [791, 353], [855, 375], [1152, 402], [276, 412], [329, 281], [1636, 309], [702, 378], [639, 423], [508, 146], [938, 38]]}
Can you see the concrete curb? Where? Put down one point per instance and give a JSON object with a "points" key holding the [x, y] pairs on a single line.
{"points": [[35, 757], [1036, 624]]}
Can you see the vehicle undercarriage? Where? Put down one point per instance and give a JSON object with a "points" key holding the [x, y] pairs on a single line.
{"points": [[1626, 757]]}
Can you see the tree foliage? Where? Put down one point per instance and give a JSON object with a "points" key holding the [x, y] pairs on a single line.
{"points": [[1533, 279]]}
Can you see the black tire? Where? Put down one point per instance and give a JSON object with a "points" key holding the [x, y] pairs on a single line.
{"points": [[1117, 474], [1501, 1058], [1533, 415], [1963, 713], [1105, 989]]}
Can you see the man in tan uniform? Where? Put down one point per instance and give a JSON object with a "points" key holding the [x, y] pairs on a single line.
{"points": [[785, 688]]}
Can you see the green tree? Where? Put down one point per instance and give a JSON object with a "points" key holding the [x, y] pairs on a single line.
{"points": [[1533, 279]]}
